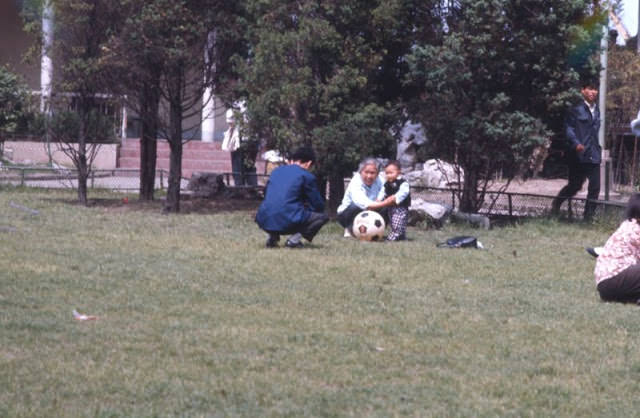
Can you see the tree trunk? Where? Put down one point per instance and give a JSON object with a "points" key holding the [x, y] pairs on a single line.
{"points": [[82, 180], [82, 167], [175, 143], [175, 176], [469, 201], [336, 192], [149, 103]]}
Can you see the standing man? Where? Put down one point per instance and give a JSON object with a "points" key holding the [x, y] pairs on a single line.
{"points": [[231, 143], [243, 151], [292, 204], [584, 153]]}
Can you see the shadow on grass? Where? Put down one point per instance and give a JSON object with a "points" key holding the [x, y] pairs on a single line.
{"points": [[188, 205]]}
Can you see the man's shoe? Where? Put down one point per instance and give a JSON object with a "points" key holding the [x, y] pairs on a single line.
{"points": [[291, 244], [272, 242], [594, 251], [347, 233]]}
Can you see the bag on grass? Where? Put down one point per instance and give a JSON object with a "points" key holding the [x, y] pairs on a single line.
{"points": [[462, 241]]}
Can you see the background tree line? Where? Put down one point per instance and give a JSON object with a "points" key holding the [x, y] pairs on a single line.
{"points": [[488, 79]]}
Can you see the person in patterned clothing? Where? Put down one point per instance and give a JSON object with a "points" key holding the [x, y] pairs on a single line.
{"points": [[617, 269], [396, 186]]}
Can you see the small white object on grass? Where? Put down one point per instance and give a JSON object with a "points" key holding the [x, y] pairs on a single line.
{"points": [[24, 208], [82, 317]]}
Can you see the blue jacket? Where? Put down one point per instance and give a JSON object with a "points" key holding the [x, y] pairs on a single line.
{"points": [[582, 128], [290, 197]]}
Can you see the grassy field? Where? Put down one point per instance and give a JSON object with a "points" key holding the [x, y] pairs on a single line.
{"points": [[196, 318]]}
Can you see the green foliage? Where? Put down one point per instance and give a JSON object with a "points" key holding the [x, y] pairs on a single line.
{"points": [[327, 74], [623, 74], [64, 127], [82, 29], [173, 50], [493, 90], [623, 102], [15, 109], [31, 13]]}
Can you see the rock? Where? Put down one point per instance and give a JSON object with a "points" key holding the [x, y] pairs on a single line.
{"points": [[412, 136], [472, 218], [245, 193], [7, 154], [423, 211], [436, 173], [206, 184], [438, 214]]}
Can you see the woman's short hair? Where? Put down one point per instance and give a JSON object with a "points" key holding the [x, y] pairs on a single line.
{"points": [[368, 161], [633, 207]]}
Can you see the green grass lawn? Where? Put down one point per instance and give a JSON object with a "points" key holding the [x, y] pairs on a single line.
{"points": [[197, 318]]}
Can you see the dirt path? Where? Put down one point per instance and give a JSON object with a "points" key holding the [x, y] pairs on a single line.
{"points": [[551, 187]]}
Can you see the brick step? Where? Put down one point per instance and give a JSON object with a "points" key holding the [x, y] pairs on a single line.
{"points": [[196, 156], [202, 165], [195, 145], [216, 155]]}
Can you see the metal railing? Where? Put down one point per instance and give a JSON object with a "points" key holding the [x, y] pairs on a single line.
{"points": [[67, 178], [117, 179], [517, 205]]}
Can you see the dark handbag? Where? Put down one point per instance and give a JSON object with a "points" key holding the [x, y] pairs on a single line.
{"points": [[462, 241]]}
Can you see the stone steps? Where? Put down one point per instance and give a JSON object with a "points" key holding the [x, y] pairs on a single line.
{"points": [[197, 156]]}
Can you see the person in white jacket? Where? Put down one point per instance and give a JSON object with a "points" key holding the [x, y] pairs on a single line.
{"points": [[242, 153]]}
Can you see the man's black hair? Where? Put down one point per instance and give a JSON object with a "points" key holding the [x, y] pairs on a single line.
{"points": [[589, 83], [633, 207], [303, 154]]}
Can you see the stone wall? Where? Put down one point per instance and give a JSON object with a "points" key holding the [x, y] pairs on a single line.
{"points": [[26, 152]]}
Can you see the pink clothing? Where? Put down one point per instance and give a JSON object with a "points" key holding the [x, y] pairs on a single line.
{"points": [[621, 251]]}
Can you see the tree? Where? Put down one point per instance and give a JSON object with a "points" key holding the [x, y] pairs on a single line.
{"points": [[622, 107], [170, 52], [191, 28], [327, 74], [499, 80], [14, 104], [136, 69], [82, 29]]}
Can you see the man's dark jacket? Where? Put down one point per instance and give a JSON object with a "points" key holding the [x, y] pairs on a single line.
{"points": [[582, 128], [290, 197]]}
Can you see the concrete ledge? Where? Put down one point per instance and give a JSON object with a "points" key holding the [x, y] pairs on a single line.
{"points": [[29, 152]]}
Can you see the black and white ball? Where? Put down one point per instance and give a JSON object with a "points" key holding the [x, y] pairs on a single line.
{"points": [[369, 226]]}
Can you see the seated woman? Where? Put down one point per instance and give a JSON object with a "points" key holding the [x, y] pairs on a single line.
{"points": [[361, 194], [617, 270]]}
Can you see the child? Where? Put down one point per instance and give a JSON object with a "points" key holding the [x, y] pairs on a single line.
{"points": [[398, 213]]}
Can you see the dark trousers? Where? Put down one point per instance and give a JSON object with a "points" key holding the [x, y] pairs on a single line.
{"points": [[241, 173], [623, 287], [307, 229], [578, 173], [346, 217]]}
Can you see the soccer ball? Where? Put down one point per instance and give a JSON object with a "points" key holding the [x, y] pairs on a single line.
{"points": [[368, 226]]}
